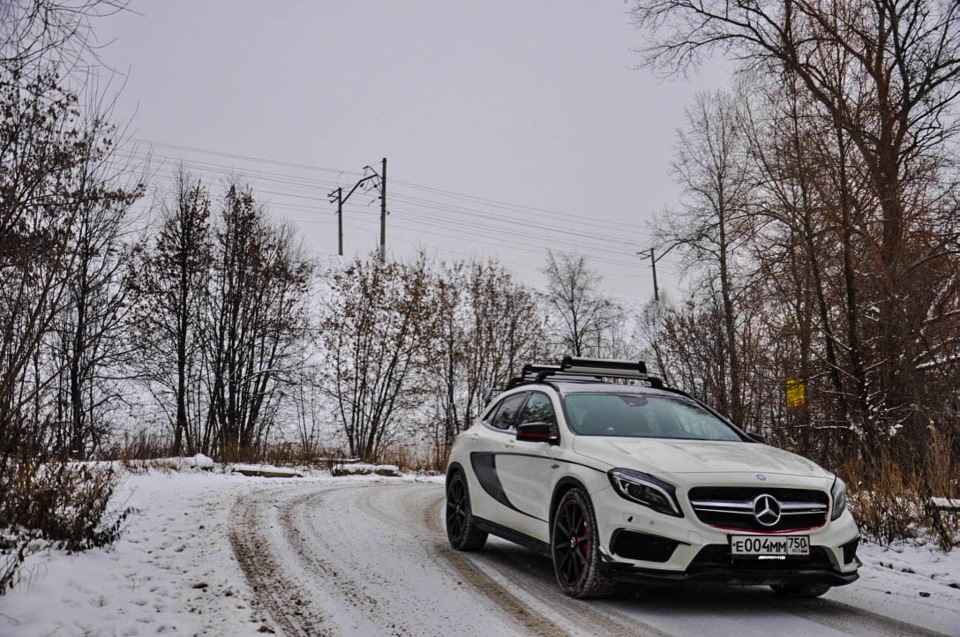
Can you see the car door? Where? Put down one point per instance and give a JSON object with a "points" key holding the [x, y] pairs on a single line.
{"points": [[525, 470], [486, 443]]}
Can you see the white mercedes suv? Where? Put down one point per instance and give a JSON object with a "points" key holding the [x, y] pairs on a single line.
{"points": [[637, 481]]}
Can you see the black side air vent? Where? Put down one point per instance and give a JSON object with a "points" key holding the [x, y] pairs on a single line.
{"points": [[643, 546]]}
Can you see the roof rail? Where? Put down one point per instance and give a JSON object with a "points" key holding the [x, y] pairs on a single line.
{"points": [[531, 372]]}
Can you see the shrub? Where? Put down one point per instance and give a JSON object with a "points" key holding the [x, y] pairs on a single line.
{"points": [[65, 504], [893, 499]]}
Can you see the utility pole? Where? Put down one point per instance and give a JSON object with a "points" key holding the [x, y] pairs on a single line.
{"points": [[653, 265], [337, 195], [383, 212], [339, 192]]}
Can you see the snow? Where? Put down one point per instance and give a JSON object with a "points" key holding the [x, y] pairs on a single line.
{"points": [[945, 503], [174, 571], [924, 560], [266, 470], [363, 469], [198, 461], [171, 572]]}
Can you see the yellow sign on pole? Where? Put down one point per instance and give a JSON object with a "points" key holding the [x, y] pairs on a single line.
{"points": [[796, 393]]}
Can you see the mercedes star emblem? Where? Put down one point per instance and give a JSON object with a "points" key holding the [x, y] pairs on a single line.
{"points": [[766, 510]]}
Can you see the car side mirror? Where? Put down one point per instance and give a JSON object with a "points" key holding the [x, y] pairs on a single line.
{"points": [[537, 432], [758, 438]]}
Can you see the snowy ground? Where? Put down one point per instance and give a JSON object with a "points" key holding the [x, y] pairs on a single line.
{"points": [[367, 556]]}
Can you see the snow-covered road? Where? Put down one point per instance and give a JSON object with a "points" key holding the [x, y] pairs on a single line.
{"points": [[215, 554], [371, 559]]}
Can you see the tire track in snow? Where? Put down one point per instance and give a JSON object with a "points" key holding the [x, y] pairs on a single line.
{"points": [[404, 510], [625, 616], [578, 617], [275, 584], [373, 559], [324, 560]]}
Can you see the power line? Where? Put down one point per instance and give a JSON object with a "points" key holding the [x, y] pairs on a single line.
{"points": [[259, 160], [450, 193], [470, 216], [576, 241]]}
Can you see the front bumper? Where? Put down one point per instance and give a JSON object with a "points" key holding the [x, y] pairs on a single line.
{"points": [[668, 549], [714, 564]]}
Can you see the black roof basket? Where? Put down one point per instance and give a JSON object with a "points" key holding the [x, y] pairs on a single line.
{"points": [[587, 369]]}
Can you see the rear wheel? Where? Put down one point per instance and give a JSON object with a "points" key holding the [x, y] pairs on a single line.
{"points": [[575, 548], [801, 591], [462, 528]]}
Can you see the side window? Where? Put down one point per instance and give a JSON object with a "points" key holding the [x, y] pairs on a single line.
{"points": [[506, 414], [538, 409]]}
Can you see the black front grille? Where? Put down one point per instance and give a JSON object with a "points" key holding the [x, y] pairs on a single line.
{"points": [[718, 556], [733, 508], [643, 546]]}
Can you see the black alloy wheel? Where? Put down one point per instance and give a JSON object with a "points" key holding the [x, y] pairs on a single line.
{"points": [[575, 548], [462, 531]]}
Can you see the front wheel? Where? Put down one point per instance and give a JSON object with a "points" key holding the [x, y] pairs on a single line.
{"points": [[576, 549], [462, 528], [800, 591]]}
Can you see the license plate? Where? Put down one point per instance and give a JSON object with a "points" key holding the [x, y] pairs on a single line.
{"points": [[763, 545]]}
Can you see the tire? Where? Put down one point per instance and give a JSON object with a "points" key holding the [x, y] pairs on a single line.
{"points": [[575, 548], [800, 591], [462, 531]]}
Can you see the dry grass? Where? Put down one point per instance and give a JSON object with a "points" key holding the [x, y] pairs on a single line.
{"points": [[891, 496], [410, 461]]}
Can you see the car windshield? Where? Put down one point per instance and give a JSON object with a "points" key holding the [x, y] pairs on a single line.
{"points": [[639, 416]]}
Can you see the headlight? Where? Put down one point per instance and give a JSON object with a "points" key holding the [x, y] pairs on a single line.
{"points": [[839, 493], [644, 489]]}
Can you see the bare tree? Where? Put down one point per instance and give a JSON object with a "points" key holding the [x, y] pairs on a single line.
{"points": [[32, 30], [61, 209], [583, 314], [711, 168], [489, 326], [255, 322], [169, 281], [88, 342], [886, 74], [375, 333], [59, 244]]}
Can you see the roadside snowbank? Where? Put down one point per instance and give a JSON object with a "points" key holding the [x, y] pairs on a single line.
{"points": [[923, 559]]}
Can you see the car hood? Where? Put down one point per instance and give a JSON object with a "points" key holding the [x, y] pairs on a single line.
{"points": [[695, 456]]}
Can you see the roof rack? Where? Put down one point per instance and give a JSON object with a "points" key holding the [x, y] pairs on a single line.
{"points": [[604, 367], [587, 369]]}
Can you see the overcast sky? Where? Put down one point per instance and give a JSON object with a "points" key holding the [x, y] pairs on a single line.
{"points": [[510, 126]]}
